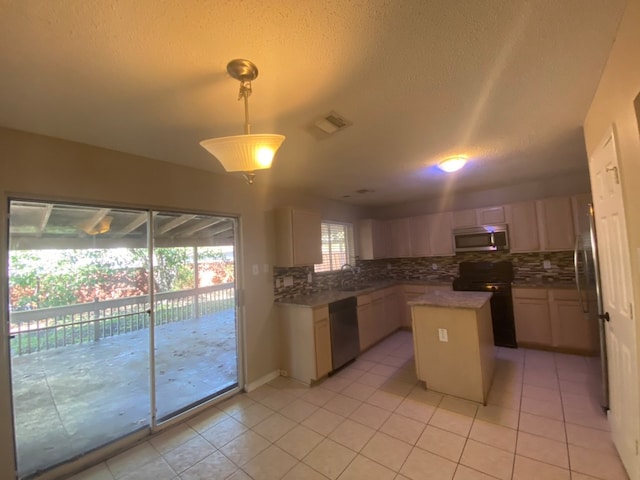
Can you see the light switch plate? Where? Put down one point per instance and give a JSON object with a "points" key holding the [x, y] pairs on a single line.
{"points": [[309, 278], [443, 336]]}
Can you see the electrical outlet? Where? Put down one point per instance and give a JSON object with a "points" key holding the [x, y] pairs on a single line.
{"points": [[388, 266], [546, 264], [255, 269], [288, 281], [278, 283], [434, 266], [443, 336], [309, 278]]}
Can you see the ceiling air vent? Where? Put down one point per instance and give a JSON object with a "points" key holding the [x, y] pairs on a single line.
{"points": [[332, 122]]}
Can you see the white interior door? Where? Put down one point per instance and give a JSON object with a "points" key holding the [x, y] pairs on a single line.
{"points": [[617, 295]]}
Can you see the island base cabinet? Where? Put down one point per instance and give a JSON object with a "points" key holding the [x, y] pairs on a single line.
{"points": [[306, 336], [462, 365]]}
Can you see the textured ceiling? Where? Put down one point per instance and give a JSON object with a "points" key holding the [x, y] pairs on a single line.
{"points": [[507, 82]]}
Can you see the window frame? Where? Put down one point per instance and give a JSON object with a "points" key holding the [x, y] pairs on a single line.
{"points": [[349, 247]]}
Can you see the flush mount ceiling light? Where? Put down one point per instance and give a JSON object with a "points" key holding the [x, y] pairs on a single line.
{"points": [[244, 153], [452, 164]]}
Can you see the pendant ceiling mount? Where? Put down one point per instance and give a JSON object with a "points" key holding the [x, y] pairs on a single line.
{"points": [[249, 152]]}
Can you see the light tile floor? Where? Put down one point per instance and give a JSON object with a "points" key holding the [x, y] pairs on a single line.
{"points": [[374, 420]]}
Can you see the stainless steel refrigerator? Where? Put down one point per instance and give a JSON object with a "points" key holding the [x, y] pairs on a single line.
{"points": [[587, 273]]}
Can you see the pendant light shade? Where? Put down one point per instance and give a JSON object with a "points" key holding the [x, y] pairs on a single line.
{"points": [[244, 153], [249, 152]]}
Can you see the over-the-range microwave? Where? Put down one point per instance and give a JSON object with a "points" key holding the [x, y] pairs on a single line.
{"points": [[486, 238]]}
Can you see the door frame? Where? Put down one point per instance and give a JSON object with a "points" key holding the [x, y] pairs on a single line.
{"points": [[8, 456]]}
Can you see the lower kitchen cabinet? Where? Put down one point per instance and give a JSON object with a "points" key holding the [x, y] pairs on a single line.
{"points": [[378, 315], [553, 319], [366, 329], [573, 329], [306, 336], [532, 319]]}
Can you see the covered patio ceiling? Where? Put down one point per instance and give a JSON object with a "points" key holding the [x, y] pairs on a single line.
{"points": [[41, 225]]}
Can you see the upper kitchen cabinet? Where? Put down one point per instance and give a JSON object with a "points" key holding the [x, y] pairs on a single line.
{"points": [[555, 223], [400, 244], [440, 237], [580, 206], [523, 227], [299, 241], [478, 216], [431, 234], [374, 239]]}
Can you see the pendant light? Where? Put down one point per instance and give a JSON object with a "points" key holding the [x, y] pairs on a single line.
{"points": [[249, 152]]}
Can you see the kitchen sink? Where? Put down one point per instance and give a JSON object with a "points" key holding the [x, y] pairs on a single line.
{"points": [[354, 288]]}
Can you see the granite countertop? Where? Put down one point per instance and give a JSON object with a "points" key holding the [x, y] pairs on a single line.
{"points": [[473, 300], [322, 298]]}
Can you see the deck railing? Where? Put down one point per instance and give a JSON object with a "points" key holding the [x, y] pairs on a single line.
{"points": [[43, 329]]}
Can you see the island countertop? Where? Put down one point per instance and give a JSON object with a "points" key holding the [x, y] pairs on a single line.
{"points": [[473, 300]]}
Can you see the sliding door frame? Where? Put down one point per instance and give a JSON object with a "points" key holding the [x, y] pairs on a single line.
{"points": [[8, 435]]}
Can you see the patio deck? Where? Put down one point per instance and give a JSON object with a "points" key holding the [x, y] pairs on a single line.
{"points": [[73, 399]]}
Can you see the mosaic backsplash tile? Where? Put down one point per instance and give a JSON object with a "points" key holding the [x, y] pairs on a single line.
{"points": [[528, 267]]}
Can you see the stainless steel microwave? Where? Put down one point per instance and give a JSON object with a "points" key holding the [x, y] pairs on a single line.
{"points": [[486, 238]]}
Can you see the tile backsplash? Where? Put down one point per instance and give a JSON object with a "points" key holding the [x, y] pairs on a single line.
{"points": [[528, 267]]}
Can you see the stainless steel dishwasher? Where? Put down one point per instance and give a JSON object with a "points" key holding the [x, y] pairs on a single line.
{"points": [[345, 339]]}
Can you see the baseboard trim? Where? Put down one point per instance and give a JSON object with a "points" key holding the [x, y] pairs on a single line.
{"points": [[248, 387]]}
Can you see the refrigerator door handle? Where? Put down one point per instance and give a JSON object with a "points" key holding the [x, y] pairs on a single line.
{"points": [[576, 270]]}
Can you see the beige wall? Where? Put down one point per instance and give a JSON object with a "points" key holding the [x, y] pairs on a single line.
{"points": [[34, 166], [613, 104]]}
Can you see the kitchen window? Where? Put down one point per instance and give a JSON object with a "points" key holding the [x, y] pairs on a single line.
{"points": [[337, 246]]}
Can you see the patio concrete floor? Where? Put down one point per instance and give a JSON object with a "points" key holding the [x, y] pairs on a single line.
{"points": [[73, 399]]}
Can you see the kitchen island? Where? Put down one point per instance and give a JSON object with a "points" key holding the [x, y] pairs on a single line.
{"points": [[453, 341]]}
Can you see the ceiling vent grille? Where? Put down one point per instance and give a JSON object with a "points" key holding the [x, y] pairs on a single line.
{"points": [[332, 123]]}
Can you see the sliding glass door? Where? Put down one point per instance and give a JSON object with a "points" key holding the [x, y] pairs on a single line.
{"points": [[196, 354], [111, 332]]}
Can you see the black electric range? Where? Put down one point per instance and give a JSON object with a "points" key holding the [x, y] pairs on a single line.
{"points": [[494, 277]]}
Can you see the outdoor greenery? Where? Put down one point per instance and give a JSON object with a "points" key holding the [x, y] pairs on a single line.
{"points": [[41, 279]]}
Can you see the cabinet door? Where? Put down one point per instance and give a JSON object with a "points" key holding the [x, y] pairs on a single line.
{"points": [[409, 292], [400, 238], [464, 218], [381, 237], [555, 223], [490, 215], [307, 237], [571, 328], [532, 319], [440, 236], [322, 342], [379, 318], [419, 231], [580, 208], [373, 239], [391, 310], [366, 326], [523, 227]]}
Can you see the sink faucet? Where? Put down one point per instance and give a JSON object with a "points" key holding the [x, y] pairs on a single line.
{"points": [[350, 268]]}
